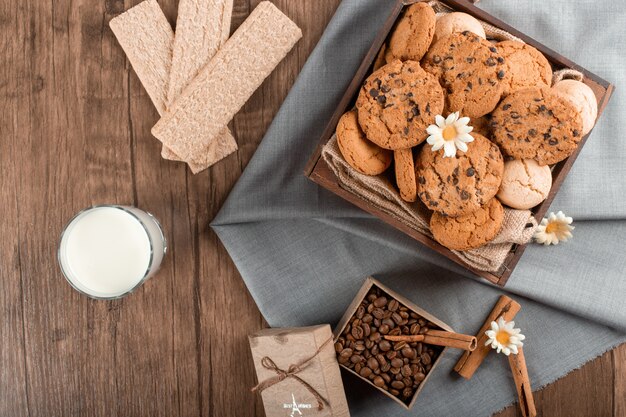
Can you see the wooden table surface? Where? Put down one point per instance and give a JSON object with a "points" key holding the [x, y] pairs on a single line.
{"points": [[75, 131]]}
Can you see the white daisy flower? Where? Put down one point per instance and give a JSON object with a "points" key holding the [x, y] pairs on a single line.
{"points": [[450, 134], [554, 229], [504, 338]]}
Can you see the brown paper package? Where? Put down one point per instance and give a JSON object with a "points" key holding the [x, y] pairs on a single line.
{"points": [[287, 346]]}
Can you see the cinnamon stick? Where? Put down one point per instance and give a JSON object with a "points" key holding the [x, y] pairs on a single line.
{"points": [[439, 338], [470, 361], [522, 383]]}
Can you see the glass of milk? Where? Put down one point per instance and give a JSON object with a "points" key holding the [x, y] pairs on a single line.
{"points": [[108, 251]]}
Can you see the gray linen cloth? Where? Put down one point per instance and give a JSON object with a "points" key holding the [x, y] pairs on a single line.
{"points": [[303, 252]]}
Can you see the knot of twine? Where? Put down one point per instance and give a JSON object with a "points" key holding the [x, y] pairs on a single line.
{"points": [[292, 370]]}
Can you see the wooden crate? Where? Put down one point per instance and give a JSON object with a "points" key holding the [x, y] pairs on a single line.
{"points": [[318, 171], [354, 305]]}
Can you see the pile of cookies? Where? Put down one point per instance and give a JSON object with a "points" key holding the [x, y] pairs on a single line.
{"points": [[469, 123]]}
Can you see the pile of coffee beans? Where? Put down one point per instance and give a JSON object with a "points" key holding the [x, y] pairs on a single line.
{"points": [[396, 367]]}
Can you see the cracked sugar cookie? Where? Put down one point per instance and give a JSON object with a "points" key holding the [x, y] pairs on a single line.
{"points": [[471, 72], [537, 123], [471, 230], [462, 184], [525, 183], [397, 103]]}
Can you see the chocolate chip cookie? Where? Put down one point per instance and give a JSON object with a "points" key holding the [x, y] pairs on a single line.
{"points": [[413, 34], [537, 123], [462, 184], [471, 230], [470, 70], [397, 103], [362, 155], [525, 66]]}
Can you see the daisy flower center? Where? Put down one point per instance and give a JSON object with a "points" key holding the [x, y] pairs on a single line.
{"points": [[503, 338], [551, 228], [449, 133]]}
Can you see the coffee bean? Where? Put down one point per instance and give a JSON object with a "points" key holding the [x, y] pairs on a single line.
{"points": [[357, 332], [346, 353], [419, 376], [389, 322], [386, 377], [356, 358], [397, 318], [380, 358], [372, 363], [407, 392], [378, 313], [415, 328], [394, 392], [383, 329], [384, 345], [392, 354], [360, 312], [380, 302], [397, 363], [338, 347], [425, 357], [408, 352], [367, 330], [365, 372], [379, 381], [397, 384], [399, 345], [395, 332], [393, 305], [406, 371]]}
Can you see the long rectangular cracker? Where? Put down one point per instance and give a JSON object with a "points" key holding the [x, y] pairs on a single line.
{"points": [[146, 36], [202, 27], [224, 85], [147, 39]]}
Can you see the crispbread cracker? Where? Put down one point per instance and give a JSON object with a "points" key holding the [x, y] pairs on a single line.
{"points": [[211, 100], [147, 39], [146, 36], [202, 27]]}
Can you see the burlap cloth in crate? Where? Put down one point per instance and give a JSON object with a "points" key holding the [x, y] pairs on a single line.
{"points": [[517, 228]]}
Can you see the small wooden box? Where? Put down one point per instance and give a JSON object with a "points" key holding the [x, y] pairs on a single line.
{"points": [[318, 171], [350, 311]]}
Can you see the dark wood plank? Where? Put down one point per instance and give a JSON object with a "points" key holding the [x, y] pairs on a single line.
{"points": [[15, 89], [587, 392], [619, 381], [76, 132]]}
